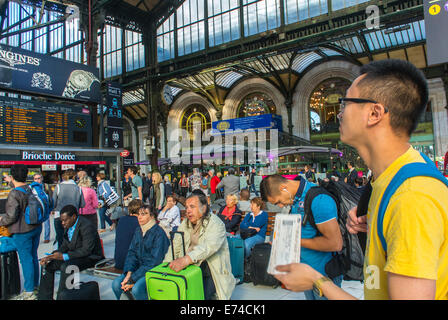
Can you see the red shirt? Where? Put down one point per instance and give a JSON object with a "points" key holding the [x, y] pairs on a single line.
{"points": [[213, 183]]}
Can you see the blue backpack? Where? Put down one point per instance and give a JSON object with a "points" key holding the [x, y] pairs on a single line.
{"points": [[410, 170], [38, 206]]}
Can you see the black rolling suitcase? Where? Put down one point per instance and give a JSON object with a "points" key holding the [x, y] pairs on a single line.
{"points": [[258, 265], [86, 291], [9, 275]]}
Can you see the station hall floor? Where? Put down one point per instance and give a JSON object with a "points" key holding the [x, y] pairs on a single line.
{"points": [[245, 291]]}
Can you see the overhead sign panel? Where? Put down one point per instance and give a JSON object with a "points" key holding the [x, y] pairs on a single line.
{"points": [[31, 72], [41, 123], [114, 102], [265, 121], [436, 24]]}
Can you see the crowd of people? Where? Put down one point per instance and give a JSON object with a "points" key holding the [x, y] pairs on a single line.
{"points": [[377, 116]]}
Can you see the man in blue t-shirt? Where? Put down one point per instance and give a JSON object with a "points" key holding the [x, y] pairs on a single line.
{"points": [[316, 250], [136, 183]]}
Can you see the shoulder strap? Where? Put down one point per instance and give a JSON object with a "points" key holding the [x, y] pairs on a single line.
{"points": [[21, 189], [312, 193], [301, 186], [410, 170]]}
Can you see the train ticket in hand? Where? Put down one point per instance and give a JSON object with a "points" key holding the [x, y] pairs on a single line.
{"points": [[286, 241]]}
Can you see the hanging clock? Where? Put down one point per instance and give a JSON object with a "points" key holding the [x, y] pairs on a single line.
{"points": [[167, 95]]}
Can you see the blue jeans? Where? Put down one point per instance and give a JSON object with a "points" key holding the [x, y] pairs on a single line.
{"points": [[47, 229], [27, 244], [310, 295], [253, 189], [138, 290], [250, 242], [104, 218]]}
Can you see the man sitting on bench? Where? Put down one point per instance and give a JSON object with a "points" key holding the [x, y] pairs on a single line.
{"points": [[80, 249]]}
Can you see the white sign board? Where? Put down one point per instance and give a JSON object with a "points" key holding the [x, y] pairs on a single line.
{"points": [[48, 167]]}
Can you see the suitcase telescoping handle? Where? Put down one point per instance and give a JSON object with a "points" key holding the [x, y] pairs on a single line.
{"points": [[172, 233]]}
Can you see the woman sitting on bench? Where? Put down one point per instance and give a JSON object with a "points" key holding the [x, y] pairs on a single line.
{"points": [[151, 237]]}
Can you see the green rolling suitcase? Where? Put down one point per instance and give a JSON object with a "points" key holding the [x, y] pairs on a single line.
{"points": [[162, 283]]}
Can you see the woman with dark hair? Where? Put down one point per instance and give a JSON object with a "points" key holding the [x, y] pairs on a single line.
{"points": [[256, 220], [147, 250]]}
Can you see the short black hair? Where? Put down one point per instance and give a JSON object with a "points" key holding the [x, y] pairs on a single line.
{"points": [[150, 209], [19, 172], [198, 192], [134, 169], [399, 86], [231, 171], [69, 210], [269, 186]]}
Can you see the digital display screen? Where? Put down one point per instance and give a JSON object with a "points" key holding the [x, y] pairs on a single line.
{"points": [[42, 123]]}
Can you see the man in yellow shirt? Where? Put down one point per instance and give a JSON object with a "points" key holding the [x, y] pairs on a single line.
{"points": [[377, 117]]}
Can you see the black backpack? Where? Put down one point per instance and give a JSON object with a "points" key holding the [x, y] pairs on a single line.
{"points": [[350, 260], [146, 189]]}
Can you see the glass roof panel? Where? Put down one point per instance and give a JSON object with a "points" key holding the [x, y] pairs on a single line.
{"points": [[303, 61], [396, 36], [357, 44], [329, 52], [133, 97], [227, 79]]}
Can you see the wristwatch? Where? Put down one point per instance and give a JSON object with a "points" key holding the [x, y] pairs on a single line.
{"points": [[78, 81], [317, 286]]}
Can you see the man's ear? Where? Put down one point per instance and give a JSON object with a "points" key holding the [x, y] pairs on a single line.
{"points": [[376, 114]]}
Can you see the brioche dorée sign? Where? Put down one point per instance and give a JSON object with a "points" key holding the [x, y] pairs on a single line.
{"points": [[48, 156]]}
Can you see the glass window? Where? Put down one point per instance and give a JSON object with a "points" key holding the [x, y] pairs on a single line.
{"points": [[165, 40], [324, 105], [112, 51], [195, 116], [190, 24], [223, 21], [260, 16], [135, 51], [341, 4], [256, 104]]}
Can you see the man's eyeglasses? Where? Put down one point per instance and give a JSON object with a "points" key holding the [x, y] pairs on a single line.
{"points": [[37, 179], [343, 102]]}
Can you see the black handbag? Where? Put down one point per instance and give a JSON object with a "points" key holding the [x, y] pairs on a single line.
{"points": [[247, 233]]}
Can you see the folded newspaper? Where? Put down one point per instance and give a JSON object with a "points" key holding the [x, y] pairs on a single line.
{"points": [[286, 241]]}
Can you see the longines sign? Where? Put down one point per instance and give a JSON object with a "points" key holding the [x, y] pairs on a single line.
{"points": [[37, 73], [14, 59], [44, 156]]}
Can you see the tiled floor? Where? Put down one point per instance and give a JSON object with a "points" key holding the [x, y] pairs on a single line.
{"points": [[245, 291]]}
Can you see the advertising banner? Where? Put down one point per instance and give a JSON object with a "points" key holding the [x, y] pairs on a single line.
{"points": [[31, 72], [265, 121]]}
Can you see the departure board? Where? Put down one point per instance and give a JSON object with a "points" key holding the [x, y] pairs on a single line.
{"points": [[42, 123]]}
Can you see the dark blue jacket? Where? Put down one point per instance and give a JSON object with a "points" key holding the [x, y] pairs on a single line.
{"points": [[123, 237], [146, 252], [260, 221]]}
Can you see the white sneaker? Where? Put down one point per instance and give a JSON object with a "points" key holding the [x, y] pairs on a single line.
{"points": [[25, 296]]}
